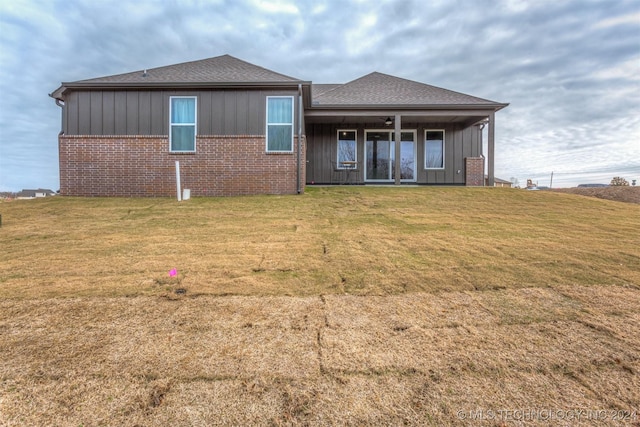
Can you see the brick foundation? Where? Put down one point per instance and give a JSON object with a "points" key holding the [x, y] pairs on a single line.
{"points": [[142, 166], [474, 171]]}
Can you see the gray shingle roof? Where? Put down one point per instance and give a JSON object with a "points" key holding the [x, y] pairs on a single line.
{"points": [[373, 90], [382, 89], [320, 88], [220, 69]]}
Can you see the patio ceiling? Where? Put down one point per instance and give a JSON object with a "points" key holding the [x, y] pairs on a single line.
{"points": [[465, 118]]}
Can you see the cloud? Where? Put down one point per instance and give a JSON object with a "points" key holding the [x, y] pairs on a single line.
{"points": [[626, 19], [568, 69], [274, 6]]}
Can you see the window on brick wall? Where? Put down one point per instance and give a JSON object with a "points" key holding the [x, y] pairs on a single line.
{"points": [[182, 123], [434, 149], [280, 124]]}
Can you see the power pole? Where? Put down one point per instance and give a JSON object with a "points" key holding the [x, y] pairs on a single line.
{"points": [[551, 183]]}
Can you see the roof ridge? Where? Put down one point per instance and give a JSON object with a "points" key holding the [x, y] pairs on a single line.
{"points": [[204, 68], [436, 87], [377, 88], [253, 65]]}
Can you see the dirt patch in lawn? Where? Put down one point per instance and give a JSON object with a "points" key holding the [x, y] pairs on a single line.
{"points": [[417, 359], [616, 193]]}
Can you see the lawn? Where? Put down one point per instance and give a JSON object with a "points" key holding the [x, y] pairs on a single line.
{"points": [[346, 305]]}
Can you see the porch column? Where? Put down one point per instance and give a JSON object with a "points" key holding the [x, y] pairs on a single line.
{"points": [[398, 139], [491, 150]]}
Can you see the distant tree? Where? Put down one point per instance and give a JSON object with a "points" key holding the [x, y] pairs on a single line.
{"points": [[619, 181]]}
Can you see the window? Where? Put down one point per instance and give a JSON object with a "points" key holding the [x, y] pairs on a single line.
{"points": [[347, 155], [280, 124], [182, 123], [434, 149], [380, 155]]}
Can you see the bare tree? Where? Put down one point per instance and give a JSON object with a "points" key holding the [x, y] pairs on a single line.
{"points": [[619, 181]]}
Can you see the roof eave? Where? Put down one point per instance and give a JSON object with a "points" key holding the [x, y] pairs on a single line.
{"points": [[490, 106], [57, 94], [170, 85], [66, 86]]}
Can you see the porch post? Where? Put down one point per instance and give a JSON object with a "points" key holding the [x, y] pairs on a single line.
{"points": [[491, 151], [398, 139]]}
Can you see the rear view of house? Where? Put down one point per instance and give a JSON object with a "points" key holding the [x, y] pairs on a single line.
{"points": [[239, 129]]}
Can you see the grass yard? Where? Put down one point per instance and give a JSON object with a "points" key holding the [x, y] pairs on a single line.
{"points": [[344, 306]]}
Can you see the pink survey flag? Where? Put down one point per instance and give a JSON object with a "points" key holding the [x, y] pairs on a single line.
{"points": [[173, 272]]}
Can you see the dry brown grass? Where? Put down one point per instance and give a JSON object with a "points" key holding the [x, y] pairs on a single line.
{"points": [[296, 314], [617, 193], [364, 241], [412, 358]]}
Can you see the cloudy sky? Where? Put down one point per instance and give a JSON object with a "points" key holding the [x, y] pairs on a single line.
{"points": [[569, 69]]}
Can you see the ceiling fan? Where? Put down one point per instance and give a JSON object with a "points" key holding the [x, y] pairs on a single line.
{"points": [[388, 121]]}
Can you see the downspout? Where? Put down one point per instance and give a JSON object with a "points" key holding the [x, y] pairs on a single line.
{"points": [[60, 103], [491, 151], [481, 126], [397, 148], [298, 172]]}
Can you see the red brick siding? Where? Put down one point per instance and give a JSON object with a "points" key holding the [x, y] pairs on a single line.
{"points": [[474, 171], [142, 166]]}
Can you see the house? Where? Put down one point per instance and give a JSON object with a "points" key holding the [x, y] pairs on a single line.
{"points": [[236, 128], [32, 194], [497, 182]]}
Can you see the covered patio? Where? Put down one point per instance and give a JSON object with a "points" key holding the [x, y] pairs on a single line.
{"points": [[367, 130], [369, 146]]}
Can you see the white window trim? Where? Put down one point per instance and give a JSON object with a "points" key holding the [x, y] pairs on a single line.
{"points": [[195, 123], [415, 153], [266, 130], [443, 148], [367, 131], [338, 149], [390, 131]]}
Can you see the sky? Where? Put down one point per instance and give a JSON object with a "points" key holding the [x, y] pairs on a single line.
{"points": [[570, 69]]}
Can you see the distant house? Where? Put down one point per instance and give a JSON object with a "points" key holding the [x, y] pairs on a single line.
{"points": [[237, 128], [32, 194], [592, 185], [497, 182]]}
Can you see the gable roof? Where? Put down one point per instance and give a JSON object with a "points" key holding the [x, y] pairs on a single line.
{"points": [[373, 90], [224, 70], [220, 69], [378, 89]]}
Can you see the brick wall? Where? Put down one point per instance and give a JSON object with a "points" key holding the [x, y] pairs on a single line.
{"points": [[142, 166], [474, 171]]}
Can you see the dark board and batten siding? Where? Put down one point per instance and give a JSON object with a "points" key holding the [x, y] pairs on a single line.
{"points": [[459, 144], [140, 112]]}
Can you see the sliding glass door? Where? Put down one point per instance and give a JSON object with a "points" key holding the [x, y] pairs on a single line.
{"points": [[380, 156]]}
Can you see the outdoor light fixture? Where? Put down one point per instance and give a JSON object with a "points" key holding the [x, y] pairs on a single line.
{"points": [[388, 122]]}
